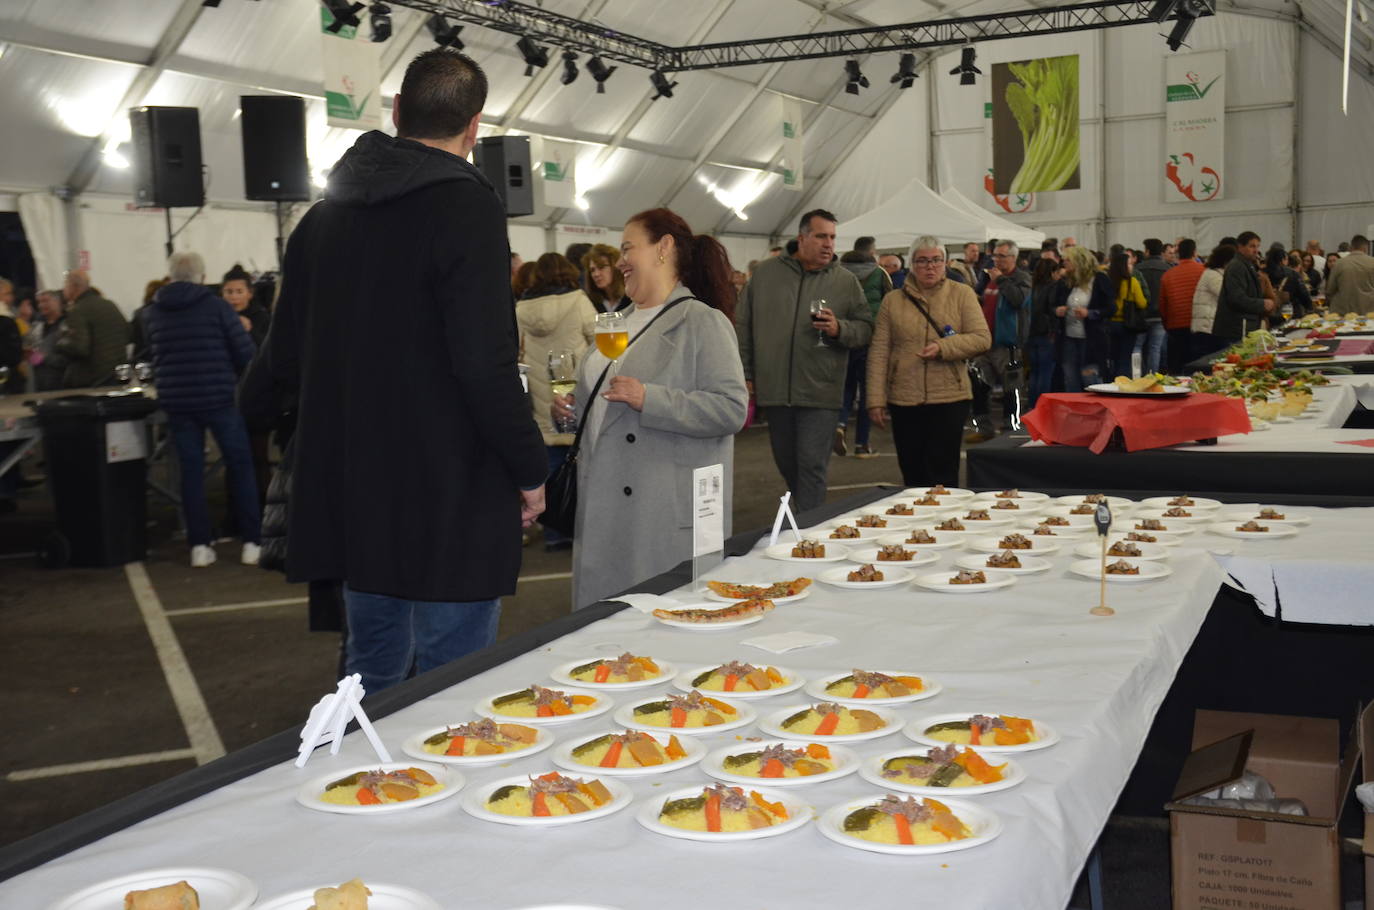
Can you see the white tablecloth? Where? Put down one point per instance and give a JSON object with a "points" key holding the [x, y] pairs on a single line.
{"points": [[1032, 650], [1324, 575]]}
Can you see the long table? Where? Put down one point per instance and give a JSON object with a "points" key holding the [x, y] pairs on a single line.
{"points": [[1315, 457], [1033, 650]]}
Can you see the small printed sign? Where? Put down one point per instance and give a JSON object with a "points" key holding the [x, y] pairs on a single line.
{"points": [[708, 510]]}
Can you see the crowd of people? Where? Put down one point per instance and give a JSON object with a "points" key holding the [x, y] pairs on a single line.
{"points": [[412, 489]]}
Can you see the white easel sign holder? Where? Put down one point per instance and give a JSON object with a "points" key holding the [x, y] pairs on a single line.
{"points": [[329, 719], [784, 513], [708, 518]]}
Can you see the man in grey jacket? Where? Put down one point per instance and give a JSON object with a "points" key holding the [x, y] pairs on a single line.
{"points": [[1151, 270], [794, 362]]}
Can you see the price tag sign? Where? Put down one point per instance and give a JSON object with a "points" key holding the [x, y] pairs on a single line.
{"points": [[708, 510]]}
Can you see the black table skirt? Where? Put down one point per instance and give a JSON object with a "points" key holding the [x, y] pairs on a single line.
{"points": [[1237, 476]]}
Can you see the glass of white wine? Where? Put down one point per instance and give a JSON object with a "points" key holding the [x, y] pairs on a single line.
{"points": [[612, 337], [563, 382]]}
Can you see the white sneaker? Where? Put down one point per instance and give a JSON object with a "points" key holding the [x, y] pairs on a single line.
{"points": [[202, 556], [251, 552]]}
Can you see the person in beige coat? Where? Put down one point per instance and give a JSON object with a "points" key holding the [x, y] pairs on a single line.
{"points": [[554, 314], [918, 366]]}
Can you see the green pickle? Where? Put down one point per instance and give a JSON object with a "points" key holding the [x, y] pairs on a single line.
{"points": [[652, 707], [739, 761], [861, 819], [588, 746], [502, 792], [522, 695]]}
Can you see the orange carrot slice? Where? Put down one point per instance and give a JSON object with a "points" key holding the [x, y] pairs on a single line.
{"points": [[612, 755], [828, 724], [717, 703], [678, 717], [544, 711], [584, 699], [603, 673], [559, 708], [730, 682], [903, 829], [713, 813], [455, 746], [771, 768], [860, 691], [816, 750], [777, 809], [541, 804], [367, 798], [975, 734]]}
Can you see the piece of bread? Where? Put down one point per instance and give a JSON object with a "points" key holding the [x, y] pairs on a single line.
{"points": [[180, 896], [1146, 383], [351, 895]]}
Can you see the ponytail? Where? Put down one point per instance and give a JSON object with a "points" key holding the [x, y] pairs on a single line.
{"points": [[703, 266]]}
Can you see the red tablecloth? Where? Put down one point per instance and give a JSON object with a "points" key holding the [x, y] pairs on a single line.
{"points": [[1088, 420]]}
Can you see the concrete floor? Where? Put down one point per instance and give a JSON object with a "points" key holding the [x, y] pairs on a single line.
{"points": [[91, 714]]}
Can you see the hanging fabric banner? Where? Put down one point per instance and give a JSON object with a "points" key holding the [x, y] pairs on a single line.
{"points": [[558, 173], [1035, 136], [1195, 126], [1012, 204], [352, 77], [791, 161]]}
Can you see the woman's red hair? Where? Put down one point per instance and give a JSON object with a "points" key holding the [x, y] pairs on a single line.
{"points": [[703, 266]]}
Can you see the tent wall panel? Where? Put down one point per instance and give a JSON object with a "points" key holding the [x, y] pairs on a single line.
{"points": [[1333, 147]]}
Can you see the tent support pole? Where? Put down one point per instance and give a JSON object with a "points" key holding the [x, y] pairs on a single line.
{"points": [[1297, 131], [1102, 140]]}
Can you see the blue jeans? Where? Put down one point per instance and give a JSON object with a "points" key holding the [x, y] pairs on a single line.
{"points": [[1040, 353], [1121, 343], [855, 393], [1072, 353], [1156, 348], [188, 435], [557, 455], [390, 639]]}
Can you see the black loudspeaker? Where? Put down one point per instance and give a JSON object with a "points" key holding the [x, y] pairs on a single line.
{"points": [[505, 160], [167, 166], [275, 167]]}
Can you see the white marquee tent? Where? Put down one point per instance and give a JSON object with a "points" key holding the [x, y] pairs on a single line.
{"points": [[1298, 168], [999, 228], [916, 209]]}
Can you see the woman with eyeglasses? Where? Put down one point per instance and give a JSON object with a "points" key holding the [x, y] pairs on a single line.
{"points": [[918, 366]]}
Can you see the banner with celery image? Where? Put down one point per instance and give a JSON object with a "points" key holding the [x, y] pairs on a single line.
{"points": [[1035, 135]]}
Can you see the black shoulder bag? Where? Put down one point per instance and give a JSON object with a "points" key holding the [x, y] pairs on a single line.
{"points": [[975, 375], [560, 490]]}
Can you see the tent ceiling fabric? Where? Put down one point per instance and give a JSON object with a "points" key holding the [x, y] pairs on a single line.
{"points": [[58, 101]]}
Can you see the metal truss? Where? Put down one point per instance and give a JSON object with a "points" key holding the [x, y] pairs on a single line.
{"points": [[564, 31]]}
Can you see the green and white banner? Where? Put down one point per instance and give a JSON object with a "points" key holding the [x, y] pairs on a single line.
{"points": [[793, 176], [1011, 203], [1195, 126], [558, 170], [1035, 137], [352, 77]]}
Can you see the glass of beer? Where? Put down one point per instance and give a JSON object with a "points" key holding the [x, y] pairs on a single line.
{"points": [[563, 382], [612, 337]]}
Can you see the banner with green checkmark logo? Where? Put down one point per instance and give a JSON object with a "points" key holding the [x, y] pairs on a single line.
{"points": [[352, 77], [1195, 126]]}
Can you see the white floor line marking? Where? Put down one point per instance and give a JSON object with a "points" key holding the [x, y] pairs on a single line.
{"points": [[247, 605], [101, 764], [17, 555], [552, 576], [195, 716]]}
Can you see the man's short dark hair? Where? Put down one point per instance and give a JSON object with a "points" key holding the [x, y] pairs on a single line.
{"points": [[1050, 243], [575, 252], [441, 92], [1228, 241], [1187, 248], [1154, 246], [792, 247], [804, 226], [1342, 247], [1116, 248], [1359, 243], [1245, 237], [865, 244]]}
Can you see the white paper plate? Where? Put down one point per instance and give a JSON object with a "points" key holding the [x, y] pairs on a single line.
{"points": [[474, 802], [1084, 521], [871, 770], [219, 889], [892, 577], [308, 793], [563, 757], [1075, 499], [834, 552], [744, 717], [1026, 496], [771, 725], [1173, 528], [1277, 531], [1201, 516], [952, 493], [603, 704], [384, 897], [979, 562], [1168, 391], [994, 520], [791, 683], [1062, 531], [1149, 552], [894, 522], [816, 689], [415, 748], [1200, 503], [709, 626], [915, 731], [1040, 546], [984, 824], [559, 674], [1149, 571], [1297, 519], [846, 763], [798, 812], [924, 557], [939, 582], [822, 533], [944, 540], [777, 601]]}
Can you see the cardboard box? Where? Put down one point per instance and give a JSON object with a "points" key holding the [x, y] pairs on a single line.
{"points": [[1245, 860]]}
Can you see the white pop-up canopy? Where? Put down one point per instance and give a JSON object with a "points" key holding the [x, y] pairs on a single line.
{"points": [[1001, 228], [914, 210]]}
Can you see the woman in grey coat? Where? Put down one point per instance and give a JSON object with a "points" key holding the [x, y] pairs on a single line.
{"points": [[674, 405]]}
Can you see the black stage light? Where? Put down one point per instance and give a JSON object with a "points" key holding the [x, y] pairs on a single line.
{"points": [[1188, 12], [569, 68], [535, 56], [344, 13], [381, 21], [662, 87], [445, 33], [209, 3], [968, 73], [1162, 9], [854, 76], [600, 72], [906, 71]]}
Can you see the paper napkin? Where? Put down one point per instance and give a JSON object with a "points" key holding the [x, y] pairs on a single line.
{"points": [[648, 603], [783, 642]]}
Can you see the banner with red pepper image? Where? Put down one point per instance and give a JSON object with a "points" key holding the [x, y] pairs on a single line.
{"points": [[1011, 203], [1195, 126]]}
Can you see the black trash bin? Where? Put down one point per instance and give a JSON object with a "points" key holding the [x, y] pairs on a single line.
{"points": [[95, 447]]}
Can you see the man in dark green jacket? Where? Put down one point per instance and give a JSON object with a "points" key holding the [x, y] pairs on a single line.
{"points": [[1246, 293], [94, 335], [795, 363]]}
